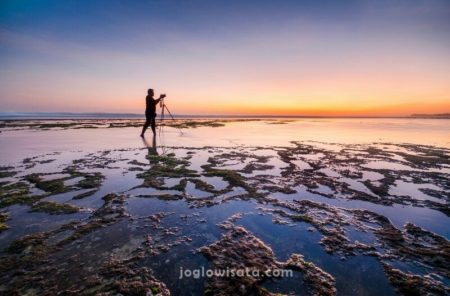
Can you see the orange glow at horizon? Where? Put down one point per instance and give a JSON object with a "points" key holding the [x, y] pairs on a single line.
{"points": [[330, 110], [304, 68]]}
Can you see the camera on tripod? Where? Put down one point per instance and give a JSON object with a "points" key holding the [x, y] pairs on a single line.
{"points": [[164, 107], [161, 102]]}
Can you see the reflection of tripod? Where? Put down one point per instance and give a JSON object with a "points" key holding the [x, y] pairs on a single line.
{"points": [[163, 106]]}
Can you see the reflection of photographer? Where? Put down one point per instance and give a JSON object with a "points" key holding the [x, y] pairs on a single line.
{"points": [[150, 111]]}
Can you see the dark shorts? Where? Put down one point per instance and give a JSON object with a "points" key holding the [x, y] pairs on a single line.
{"points": [[150, 116]]}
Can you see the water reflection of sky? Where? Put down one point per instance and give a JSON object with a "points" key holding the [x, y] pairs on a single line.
{"points": [[201, 224], [16, 145]]}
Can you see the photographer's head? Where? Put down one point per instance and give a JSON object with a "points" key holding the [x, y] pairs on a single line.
{"points": [[150, 92]]}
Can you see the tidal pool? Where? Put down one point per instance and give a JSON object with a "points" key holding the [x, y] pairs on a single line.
{"points": [[350, 206]]}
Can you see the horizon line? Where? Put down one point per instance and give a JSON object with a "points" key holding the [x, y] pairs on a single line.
{"points": [[94, 115]]}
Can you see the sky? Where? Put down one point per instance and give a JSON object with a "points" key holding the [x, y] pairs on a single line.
{"points": [[304, 57]]}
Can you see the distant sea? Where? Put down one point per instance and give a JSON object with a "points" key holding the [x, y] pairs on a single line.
{"points": [[68, 115]]}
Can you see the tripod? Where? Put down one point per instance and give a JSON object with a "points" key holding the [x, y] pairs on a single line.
{"points": [[163, 106]]}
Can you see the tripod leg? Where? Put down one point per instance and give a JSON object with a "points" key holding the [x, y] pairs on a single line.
{"points": [[168, 111], [162, 120]]}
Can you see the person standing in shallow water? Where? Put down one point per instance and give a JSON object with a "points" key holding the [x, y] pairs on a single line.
{"points": [[150, 111]]}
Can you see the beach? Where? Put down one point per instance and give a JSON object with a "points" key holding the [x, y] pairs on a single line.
{"points": [[351, 206]]}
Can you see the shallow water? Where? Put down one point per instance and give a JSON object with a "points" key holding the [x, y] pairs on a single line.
{"points": [[20, 144], [342, 163]]}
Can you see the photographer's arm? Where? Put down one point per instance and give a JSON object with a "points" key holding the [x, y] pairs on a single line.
{"points": [[160, 98]]}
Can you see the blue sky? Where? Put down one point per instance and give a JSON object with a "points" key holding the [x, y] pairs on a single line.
{"points": [[304, 56]]}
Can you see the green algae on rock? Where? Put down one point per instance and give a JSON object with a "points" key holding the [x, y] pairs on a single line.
{"points": [[165, 166], [91, 180], [7, 171], [51, 186], [411, 284], [232, 177], [319, 281], [53, 208], [238, 249], [3, 218], [351, 172], [124, 277], [16, 193]]}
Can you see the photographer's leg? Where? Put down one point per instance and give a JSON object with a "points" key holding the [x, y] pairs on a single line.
{"points": [[153, 123], [144, 128]]}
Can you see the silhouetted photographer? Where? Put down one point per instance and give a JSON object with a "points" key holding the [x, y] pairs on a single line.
{"points": [[150, 111]]}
